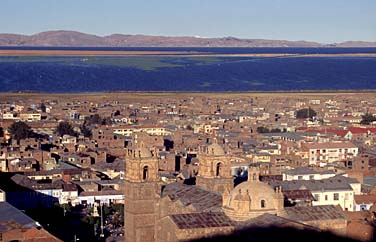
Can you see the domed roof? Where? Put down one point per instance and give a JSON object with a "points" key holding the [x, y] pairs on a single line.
{"points": [[255, 190], [251, 199], [215, 149], [143, 152]]}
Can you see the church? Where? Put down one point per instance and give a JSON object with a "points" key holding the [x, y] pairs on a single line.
{"points": [[154, 212]]}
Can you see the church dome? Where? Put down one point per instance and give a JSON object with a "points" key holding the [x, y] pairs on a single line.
{"points": [[215, 149], [251, 199], [143, 152]]}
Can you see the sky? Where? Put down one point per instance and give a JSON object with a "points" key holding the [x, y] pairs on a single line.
{"points": [[325, 21]]}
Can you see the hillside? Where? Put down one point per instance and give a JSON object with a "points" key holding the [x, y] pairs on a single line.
{"points": [[73, 38]]}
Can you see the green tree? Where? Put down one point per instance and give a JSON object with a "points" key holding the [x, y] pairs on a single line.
{"points": [[20, 130], [94, 119], [262, 130], [305, 113], [43, 107], [367, 119], [85, 130], [65, 128]]}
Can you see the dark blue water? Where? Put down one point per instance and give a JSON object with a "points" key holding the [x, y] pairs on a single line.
{"points": [[177, 73], [219, 50]]}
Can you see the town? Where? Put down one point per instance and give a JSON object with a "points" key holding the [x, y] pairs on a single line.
{"points": [[185, 166]]}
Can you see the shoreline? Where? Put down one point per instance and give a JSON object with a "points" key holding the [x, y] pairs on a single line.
{"points": [[143, 96], [110, 53]]}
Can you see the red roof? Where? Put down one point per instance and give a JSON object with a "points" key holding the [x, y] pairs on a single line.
{"points": [[356, 130]]}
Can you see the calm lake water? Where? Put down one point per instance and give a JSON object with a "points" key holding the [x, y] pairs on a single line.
{"points": [[182, 73]]}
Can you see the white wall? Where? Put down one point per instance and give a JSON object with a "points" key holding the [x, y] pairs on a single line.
{"points": [[345, 199]]}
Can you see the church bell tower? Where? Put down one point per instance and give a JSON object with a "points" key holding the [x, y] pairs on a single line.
{"points": [[141, 193], [214, 169]]}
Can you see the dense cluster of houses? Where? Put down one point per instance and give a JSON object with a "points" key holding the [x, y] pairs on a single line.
{"points": [[325, 159]]}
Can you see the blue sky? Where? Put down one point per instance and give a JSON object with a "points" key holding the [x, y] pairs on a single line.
{"points": [[325, 21]]}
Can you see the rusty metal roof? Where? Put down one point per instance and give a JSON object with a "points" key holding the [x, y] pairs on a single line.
{"points": [[202, 200], [315, 213], [201, 220]]}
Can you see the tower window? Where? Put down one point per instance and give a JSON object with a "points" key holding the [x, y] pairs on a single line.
{"points": [[145, 173], [218, 169], [263, 204]]}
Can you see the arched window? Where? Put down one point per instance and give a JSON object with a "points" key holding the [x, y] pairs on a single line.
{"points": [[254, 176], [263, 205], [145, 173], [218, 169]]}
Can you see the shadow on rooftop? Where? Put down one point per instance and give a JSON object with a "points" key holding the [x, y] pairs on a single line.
{"points": [[276, 234]]}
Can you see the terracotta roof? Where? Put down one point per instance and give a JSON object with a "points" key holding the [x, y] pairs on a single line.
{"points": [[366, 199], [201, 220]]}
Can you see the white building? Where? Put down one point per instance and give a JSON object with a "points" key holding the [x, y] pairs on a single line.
{"points": [[337, 190], [328, 152]]}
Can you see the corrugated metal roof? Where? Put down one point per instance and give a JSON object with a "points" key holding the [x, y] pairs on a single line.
{"points": [[8, 213], [201, 220]]}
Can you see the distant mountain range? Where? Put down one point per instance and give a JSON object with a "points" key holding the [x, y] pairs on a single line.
{"points": [[77, 39]]}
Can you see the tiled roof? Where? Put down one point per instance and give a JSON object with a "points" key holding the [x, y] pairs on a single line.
{"points": [[200, 199], [201, 220], [367, 199]]}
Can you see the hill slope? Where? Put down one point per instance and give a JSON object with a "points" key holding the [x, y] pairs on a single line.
{"points": [[73, 38]]}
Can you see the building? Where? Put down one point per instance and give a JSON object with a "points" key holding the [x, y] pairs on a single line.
{"points": [[17, 226], [330, 151], [304, 173], [176, 212], [337, 190]]}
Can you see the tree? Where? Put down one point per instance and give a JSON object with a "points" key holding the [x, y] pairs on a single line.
{"points": [[262, 129], [20, 130], [305, 113], [94, 119], [85, 131], [65, 128], [106, 121], [117, 113], [367, 119], [43, 108]]}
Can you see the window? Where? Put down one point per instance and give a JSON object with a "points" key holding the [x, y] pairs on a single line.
{"points": [[336, 196], [218, 169], [311, 177], [326, 197], [317, 197], [300, 177], [145, 172], [263, 205]]}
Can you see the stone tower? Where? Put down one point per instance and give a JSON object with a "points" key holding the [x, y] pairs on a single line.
{"points": [[141, 189], [214, 169]]}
